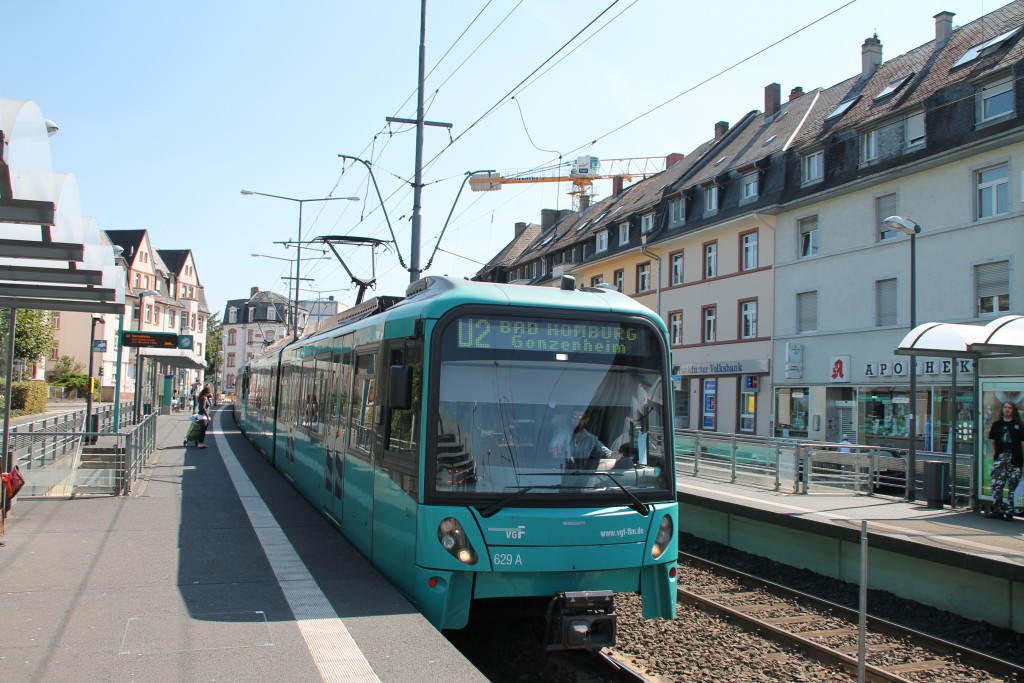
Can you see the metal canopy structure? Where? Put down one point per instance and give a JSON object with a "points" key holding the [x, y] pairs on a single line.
{"points": [[177, 358], [1002, 337]]}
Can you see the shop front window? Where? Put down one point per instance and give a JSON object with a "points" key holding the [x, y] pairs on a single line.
{"points": [[791, 405]]}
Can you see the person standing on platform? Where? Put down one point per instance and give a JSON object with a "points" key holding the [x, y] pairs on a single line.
{"points": [[1007, 435], [203, 406], [197, 388]]}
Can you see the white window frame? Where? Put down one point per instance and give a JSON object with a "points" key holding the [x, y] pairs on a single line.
{"points": [[643, 277], [601, 241], [710, 199], [710, 260], [988, 193], [869, 147], [620, 279], [987, 95], [807, 244], [646, 223], [992, 288], [624, 232], [677, 211], [709, 326], [748, 319], [914, 132], [749, 248], [675, 328], [677, 268], [813, 167], [751, 186]]}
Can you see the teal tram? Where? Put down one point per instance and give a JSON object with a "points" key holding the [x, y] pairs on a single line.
{"points": [[486, 442]]}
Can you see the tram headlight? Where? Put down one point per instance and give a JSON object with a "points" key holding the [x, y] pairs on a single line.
{"points": [[664, 537], [452, 537]]}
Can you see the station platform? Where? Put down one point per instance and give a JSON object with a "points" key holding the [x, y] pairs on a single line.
{"points": [[950, 558], [213, 569]]}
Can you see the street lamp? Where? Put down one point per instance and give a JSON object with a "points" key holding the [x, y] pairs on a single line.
{"points": [[298, 242], [909, 227], [89, 427]]}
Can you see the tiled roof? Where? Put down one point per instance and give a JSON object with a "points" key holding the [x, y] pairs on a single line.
{"points": [[932, 68], [513, 249]]}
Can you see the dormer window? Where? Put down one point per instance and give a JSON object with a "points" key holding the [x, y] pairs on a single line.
{"points": [[995, 101], [813, 166], [986, 48], [647, 223], [601, 243], [750, 186], [710, 199], [623, 233], [232, 315], [677, 211]]}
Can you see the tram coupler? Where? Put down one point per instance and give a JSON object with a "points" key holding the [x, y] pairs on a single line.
{"points": [[581, 620]]}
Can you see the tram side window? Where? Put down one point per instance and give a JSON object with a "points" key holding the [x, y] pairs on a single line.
{"points": [[403, 430], [363, 406]]}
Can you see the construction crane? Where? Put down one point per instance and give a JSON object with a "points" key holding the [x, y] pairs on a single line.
{"points": [[582, 175]]}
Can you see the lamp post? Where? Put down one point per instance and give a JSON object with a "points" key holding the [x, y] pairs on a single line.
{"points": [[298, 242], [138, 355], [909, 227], [96, 319]]}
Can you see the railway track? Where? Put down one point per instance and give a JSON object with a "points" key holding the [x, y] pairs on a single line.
{"points": [[829, 632]]}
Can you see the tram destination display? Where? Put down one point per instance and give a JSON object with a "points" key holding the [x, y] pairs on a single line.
{"points": [[521, 334]]}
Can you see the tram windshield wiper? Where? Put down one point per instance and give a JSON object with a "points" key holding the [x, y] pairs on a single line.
{"points": [[497, 506], [635, 503]]}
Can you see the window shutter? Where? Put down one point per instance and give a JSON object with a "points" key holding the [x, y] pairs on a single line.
{"points": [[807, 311], [992, 279], [885, 302], [885, 207]]}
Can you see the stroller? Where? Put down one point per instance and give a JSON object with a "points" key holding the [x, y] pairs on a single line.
{"points": [[195, 430]]}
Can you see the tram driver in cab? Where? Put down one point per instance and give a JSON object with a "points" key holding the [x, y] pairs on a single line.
{"points": [[577, 445]]}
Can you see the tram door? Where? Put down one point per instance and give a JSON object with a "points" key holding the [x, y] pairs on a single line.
{"points": [[340, 381], [360, 437]]}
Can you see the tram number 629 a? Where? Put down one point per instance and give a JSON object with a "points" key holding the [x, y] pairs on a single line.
{"points": [[507, 560]]}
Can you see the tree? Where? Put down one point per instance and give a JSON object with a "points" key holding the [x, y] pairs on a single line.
{"points": [[33, 336], [66, 366], [213, 337]]}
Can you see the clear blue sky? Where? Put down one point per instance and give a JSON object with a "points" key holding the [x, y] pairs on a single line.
{"points": [[168, 110]]}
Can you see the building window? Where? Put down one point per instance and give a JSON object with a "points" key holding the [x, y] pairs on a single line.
{"points": [[156, 315], [596, 280], [643, 277], [620, 278], [646, 223], [813, 167], [675, 328], [808, 236], [231, 360], [138, 281], [915, 130], [270, 335], [748, 247], [885, 206], [711, 199], [55, 317], [986, 48], [806, 311], [677, 268], [624, 233], [750, 186], [869, 147], [710, 260], [149, 313], [992, 282], [710, 316], [995, 101], [601, 241], [885, 302], [748, 403], [250, 336], [677, 211], [993, 191], [171, 318], [748, 319], [55, 350], [232, 337]]}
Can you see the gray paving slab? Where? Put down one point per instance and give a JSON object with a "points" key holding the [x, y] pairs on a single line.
{"points": [[172, 584]]}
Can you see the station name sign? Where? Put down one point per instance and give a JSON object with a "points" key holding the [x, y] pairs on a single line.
{"points": [[156, 340], [521, 334]]}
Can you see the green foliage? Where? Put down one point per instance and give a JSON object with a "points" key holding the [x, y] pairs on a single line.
{"points": [[33, 335], [213, 340], [66, 366], [29, 397]]}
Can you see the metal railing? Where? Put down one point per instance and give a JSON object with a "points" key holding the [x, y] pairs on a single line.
{"points": [[58, 457], [808, 467]]}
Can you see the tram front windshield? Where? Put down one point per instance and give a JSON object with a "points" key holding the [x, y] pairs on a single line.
{"points": [[535, 406]]}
